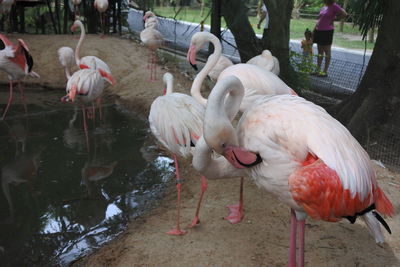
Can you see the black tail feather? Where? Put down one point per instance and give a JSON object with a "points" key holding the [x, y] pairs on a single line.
{"points": [[382, 221]]}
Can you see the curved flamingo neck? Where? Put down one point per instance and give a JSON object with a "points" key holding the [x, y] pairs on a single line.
{"points": [[67, 72], [80, 42], [211, 62]]}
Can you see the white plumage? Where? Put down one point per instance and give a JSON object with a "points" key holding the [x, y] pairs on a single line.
{"points": [[222, 63], [266, 61], [66, 58]]}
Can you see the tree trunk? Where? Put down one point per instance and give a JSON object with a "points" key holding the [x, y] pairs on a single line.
{"points": [[215, 22], [21, 11], [235, 14], [51, 16], [57, 11], [343, 19], [278, 37], [66, 14], [375, 104]]}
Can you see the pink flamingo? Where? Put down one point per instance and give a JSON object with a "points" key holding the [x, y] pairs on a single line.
{"points": [[296, 151], [101, 6], [267, 61], [257, 82], [86, 86], [176, 120], [152, 39], [91, 62], [17, 62]]}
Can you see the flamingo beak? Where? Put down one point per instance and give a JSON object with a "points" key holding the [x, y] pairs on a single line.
{"points": [[72, 92], [191, 56], [241, 158], [73, 27], [107, 76]]}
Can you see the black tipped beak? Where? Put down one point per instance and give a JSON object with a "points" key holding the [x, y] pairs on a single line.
{"points": [[194, 66]]}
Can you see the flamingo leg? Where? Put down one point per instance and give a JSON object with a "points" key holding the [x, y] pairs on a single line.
{"points": [[196, 220], [293, 235], [10, 97], [148, 58], [177, 230], [301, 242], [94, 114], [85, 128], [22, 96], [99, 104], [236, 210]]}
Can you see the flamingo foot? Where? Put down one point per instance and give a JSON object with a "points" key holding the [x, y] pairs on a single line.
{"points": [[236, 213], [195, 222], [176, 232]]}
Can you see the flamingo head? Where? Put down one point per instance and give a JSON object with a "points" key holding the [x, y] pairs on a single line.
{"points": [[107, 76], [147, 15], [72, 93], [241, 158], [196, 43], [77, 23], [191, 56]]}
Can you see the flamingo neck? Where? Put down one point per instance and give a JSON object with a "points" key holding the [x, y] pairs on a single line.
{"points": [[67, 72], [80, 42], [170, 87], [211, 62], [221, 110]]}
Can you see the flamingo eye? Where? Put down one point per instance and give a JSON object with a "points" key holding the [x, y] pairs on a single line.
{"points": [[223, 145]]}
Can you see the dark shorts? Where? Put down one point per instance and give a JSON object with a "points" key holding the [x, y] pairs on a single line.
{"points": [[323, 37]]}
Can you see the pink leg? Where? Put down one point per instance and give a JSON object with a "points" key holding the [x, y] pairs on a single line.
{"points": [[22, 96], [85, 128], [177, 230], [293, 235], [301, 242], [94, 114], [99, 104], [151, 65], [196, 220], [148, 58], [236, 210], [10, 97]]}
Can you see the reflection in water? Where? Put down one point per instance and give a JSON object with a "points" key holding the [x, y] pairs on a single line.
{"points": [[59, 201]]}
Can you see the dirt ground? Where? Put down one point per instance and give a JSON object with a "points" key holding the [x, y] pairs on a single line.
{"points": [[261, 239]]}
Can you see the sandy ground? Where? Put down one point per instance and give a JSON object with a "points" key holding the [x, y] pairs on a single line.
{"points": [[261, 239]]}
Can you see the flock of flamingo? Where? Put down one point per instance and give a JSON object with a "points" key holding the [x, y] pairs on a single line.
{"points": [[287, 145]]}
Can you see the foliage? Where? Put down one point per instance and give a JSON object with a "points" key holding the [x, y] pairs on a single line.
{"points": [[367, 14], [304, 66]]}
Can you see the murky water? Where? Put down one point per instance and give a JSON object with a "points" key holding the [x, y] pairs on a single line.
{"points": [[59, 198]]}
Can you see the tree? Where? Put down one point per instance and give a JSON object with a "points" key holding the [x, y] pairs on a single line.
{"points": [[278, 37], [235, 15], [375, 104]]}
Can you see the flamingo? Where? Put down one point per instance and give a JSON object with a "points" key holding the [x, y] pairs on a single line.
{"points": [[66, 58], [76, 4], [152, 39], [267, 61], [176, 120], [150, 20], [296, 151], [256, 80], [87, 61], [86, 86], [17, 62], [222, 63], [101, 6]]}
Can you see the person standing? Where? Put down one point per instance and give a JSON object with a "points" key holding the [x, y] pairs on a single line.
{"points": [[323, 33], [263, 15]]}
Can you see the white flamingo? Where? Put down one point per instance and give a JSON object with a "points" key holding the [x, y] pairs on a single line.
{"points": [[296, 151], [153, 40], [17, 62], [257, 82], [87, 61], [267, 61], [222, 63], [66, 58], [101, 6], [150, 20], [176, 120]]}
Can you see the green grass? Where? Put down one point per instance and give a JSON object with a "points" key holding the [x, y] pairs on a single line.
{"points": [[350, 38]]}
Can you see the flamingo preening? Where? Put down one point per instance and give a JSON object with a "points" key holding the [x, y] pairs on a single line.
{"points": [[176, 120], [17, 62], [257, 82], [296, 151], [101, 6], [222, 63]]}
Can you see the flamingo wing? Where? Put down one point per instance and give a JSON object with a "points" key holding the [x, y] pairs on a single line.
{"points": [[177, 121]]}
